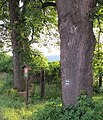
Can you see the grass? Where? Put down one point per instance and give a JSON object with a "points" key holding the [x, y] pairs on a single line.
{"points": [[98, 97], [16, 109], [12, 106]]}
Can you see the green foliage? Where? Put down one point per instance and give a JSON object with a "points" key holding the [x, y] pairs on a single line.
{"points": [[53, 73], [52, 80], [6, 83], [98, 62], [4, 25], [98, 14], [98, 28], [12, 106], [96, 88], [52, 91], [85, 109], [49, 111], [39, 61], [98, 97], [5, 63], [7, 91], [34, 93], [35, 59], [97, 67]]}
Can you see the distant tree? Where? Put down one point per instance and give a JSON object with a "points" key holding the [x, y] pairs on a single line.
{"points": [[15, 38], [53, 75], [4, 25], [38, 63], [25, 20], [98, 61]]}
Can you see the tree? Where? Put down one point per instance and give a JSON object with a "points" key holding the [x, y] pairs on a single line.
{"points": [[98, 53], [4, 25], [15, 38], [53, 73], [25, 20], [77, 46], [38, 63]]}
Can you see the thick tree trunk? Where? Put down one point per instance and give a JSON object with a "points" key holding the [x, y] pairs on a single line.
{"points": [[14, 20], [77, 46]]}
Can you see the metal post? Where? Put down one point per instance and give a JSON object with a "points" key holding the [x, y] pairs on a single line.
{"points": [[27, 92], [26, 78], [100, 80], [26, 70]]}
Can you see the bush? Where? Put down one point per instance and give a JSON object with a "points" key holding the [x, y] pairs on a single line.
{"points": [[85, 109], [96, 88], [34, 93], [6, 83], [51, 92], [53, 75], [5, 63]]}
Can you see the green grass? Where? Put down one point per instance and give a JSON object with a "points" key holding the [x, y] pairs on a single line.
{"points": [[11, 109], [15, 109], [98, 97], [12, 106]]}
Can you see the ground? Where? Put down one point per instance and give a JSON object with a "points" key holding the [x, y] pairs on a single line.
{"points": [[12, 105]]}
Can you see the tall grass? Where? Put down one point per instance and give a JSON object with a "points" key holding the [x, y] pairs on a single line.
{"points": [[12, 106]]}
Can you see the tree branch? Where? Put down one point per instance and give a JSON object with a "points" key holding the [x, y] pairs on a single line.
{"points": [[99, 37], [46, 4]]}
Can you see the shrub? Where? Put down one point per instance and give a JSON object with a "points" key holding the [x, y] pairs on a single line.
{"points": [[96, 88], [34, 93], [50, 110], [53, 73], [5, 63], [85, 109], [6, 83], [51, 92]]}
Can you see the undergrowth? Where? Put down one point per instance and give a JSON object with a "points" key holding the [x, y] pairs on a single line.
{"points": [[12, 106], [85, 109]]}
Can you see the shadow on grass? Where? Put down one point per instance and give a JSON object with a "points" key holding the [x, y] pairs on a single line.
{"points": [[98, 97]]}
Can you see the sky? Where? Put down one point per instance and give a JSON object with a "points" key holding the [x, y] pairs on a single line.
{"points": [[47, 51]]}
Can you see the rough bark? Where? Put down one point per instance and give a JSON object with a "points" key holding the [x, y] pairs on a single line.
{"points": [[77, 46], [14, 18]]}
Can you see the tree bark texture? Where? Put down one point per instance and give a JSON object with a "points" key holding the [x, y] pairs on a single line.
{"points": [[14, 18], [77, 46]]}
